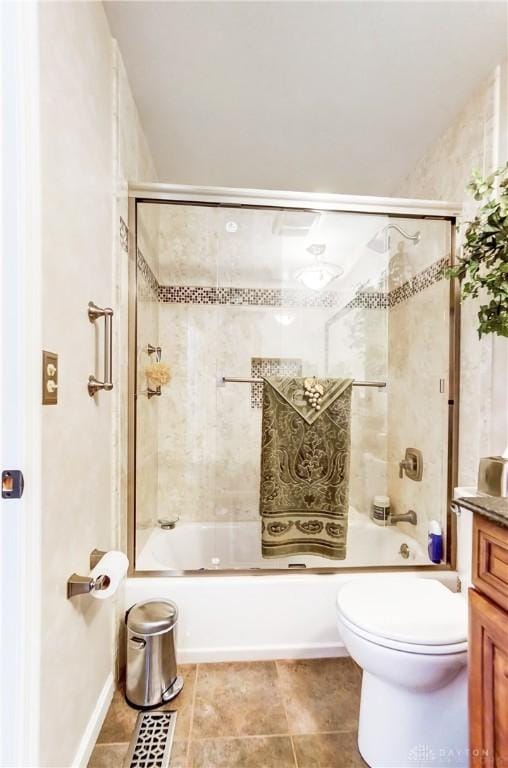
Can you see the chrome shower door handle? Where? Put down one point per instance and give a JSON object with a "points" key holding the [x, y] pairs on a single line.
{"points": [[95, 312]]}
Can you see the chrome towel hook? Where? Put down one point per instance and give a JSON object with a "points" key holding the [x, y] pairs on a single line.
{"points": [[94, 312]]}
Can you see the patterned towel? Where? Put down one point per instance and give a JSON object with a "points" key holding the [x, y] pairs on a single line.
{"points": [[305, 451]]}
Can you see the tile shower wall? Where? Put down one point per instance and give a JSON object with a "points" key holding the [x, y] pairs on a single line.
{"points": [[148, 410], [209, 435], [417, 409], [418, 320], [209, 455], [358, 347]]}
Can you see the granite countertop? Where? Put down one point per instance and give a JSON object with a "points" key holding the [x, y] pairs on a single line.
{"points": [[493, 507]]}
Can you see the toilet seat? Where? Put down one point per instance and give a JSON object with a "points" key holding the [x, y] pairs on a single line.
{"points": [[411, 615], [428, 650]]}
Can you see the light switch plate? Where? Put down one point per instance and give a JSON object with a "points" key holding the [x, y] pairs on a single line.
{"points": [[49, 378]]}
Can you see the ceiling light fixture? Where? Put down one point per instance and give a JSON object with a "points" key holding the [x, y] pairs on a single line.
{"points": [[321, 273]]}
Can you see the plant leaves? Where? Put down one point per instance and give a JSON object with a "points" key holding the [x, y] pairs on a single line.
{"points": [[483, 264]]}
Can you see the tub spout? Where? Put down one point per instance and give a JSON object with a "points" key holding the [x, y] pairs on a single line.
{"points": [[167, 524], [407, 517]]}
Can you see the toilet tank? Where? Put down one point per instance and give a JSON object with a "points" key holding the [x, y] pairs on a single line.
{"points": [[465, 539]]}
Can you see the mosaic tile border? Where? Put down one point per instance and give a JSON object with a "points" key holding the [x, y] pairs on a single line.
{"points": [[145, 271], [266, 297], [277, 297], [424, 279], [368, 300], [124, 236], [270, 366]]}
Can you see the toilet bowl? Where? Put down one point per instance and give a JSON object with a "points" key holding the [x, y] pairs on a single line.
{"points": [[410, 638]]}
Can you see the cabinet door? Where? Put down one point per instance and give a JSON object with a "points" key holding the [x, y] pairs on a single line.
{"points": [[490, 560], [488, 683]]}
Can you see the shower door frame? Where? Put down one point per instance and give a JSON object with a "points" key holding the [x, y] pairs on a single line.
{"points": [[142, 192]]}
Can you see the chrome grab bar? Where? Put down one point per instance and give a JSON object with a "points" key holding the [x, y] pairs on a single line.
{"points": [[94, 312]]}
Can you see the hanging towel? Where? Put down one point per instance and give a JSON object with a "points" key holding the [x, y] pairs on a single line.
{"points": [[305, 467]]}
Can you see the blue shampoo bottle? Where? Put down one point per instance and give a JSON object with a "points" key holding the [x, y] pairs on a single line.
{"points": [[435, 547]]}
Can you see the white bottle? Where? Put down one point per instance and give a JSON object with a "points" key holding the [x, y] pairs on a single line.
{"points": [[381, 509]]}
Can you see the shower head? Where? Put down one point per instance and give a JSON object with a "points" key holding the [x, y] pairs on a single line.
{"points": [[381, 241]]}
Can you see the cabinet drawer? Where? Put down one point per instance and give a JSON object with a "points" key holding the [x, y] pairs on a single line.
{"points": [[490, 560]]}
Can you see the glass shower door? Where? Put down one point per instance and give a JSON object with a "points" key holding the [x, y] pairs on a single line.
{"points": [[230, 295]]}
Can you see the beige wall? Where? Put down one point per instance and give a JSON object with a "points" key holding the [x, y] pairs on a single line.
{"points": [[77, 215], [475, 139], [91, 142]]}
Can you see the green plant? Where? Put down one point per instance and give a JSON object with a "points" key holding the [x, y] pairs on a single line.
{"points": [[483, 264]]}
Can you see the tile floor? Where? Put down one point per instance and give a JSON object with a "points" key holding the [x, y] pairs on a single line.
{"points": [[266, 714]]}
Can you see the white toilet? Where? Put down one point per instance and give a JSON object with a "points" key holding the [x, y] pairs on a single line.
{"points": [[409, 635]]}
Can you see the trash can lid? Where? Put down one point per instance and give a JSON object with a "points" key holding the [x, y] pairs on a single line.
{"points": [[151, 617]]}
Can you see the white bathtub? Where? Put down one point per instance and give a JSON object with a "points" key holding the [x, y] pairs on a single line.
{"points": [[259, 615], [263, 616], [224, 546]]}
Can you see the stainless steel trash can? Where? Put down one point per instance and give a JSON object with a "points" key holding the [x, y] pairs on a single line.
{"points": [[152, 677]]}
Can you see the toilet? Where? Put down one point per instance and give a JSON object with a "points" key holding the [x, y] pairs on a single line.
{"points": [[409, 636]]}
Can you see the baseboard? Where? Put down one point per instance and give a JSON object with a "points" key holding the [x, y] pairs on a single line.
{"points": [[260, 653], [94, 725]]}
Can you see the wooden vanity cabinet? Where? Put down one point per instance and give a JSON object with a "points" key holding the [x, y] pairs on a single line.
{"points": [[488, 646]]}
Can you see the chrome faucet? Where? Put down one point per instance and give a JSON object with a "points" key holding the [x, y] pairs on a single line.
{"points": [[407, 517], [412, 464]]}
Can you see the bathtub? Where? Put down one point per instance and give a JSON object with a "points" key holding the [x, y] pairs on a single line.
{"points": [[260, 615], [225, 546]]}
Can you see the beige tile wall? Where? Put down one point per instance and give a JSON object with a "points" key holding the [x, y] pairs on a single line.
{"points": [[148, 409], [417, 410], [472, 141], [359, 347], [209, 436]]}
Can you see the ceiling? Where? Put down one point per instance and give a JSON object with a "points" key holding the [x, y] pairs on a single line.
{"points": [[313, 96]]}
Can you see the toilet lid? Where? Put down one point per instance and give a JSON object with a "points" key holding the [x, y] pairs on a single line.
{"points": [[419, 611]]}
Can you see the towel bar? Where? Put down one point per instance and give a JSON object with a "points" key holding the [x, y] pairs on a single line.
{"points": [[227, 379]]}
